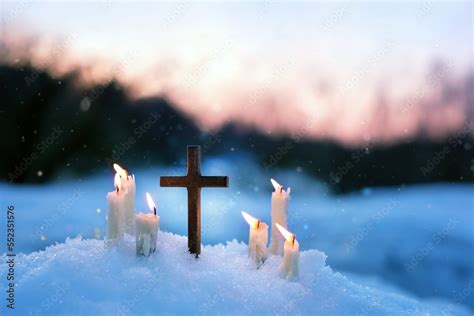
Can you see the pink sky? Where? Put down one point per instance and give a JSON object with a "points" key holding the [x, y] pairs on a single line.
{"points": [[352, 72]]}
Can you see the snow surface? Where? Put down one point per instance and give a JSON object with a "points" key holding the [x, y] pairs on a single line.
{"points": [[418, 239], [83, 277]]}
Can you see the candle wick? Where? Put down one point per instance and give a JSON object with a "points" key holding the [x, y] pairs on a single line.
{"points": [[281, 189], [258, 224], [117, 188], [154, 210], [294, 238]]}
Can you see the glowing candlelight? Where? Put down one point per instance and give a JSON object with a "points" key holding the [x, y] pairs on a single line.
{"points": [[276, 185], [280, 199], [117, 183], [288, 236], [151, 203], [289, 269], [116, 209], [147, 226], [252, 221], [128, 187], [120, 171], [258, 237]]}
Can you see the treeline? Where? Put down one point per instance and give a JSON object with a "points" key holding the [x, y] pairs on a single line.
{"points": [[49, 126]]}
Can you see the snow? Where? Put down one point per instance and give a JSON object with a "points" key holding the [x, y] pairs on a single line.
{"points": [[416, 241], [84, 277]]}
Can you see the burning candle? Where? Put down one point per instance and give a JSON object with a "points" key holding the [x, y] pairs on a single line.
{"points": [[116, 202], [258, 237], [290, 266], [147, 226], [280, 200], [128, 187]]}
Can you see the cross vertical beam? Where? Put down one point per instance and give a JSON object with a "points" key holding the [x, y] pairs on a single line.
{"points": [[193, 182], [194, 220]]}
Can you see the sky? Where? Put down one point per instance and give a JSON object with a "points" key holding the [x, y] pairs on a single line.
{"points": [[350, 71]]}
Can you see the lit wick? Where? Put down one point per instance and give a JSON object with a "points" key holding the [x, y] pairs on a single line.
{"points": [[258, 237], [147, 226], [289, 268], [151, 203], [122, 172], [117, 182]]}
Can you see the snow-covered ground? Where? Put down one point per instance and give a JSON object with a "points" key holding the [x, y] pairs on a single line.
{"points": [[416, 240], [86, 278]]}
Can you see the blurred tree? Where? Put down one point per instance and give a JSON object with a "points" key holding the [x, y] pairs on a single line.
{"points": [[50, 126]]}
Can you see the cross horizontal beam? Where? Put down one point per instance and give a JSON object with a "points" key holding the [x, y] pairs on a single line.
{"points": [[200, 182], [213, 182], [174, 181]]}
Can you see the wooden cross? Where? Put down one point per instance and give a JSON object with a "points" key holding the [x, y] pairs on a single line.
{"points": [[193, 181]]}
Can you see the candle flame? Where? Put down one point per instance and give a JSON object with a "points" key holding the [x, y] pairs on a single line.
{"points": [[252, 221], [151, 203], [122, 172], [117, 182], [288, 236], [276, 185]]}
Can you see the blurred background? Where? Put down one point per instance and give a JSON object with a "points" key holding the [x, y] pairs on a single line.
{"points": [[366, 109]]}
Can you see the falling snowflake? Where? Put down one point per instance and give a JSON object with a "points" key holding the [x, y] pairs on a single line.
{"points": [[85, 104]]}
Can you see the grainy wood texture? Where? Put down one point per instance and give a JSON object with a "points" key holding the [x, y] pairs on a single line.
{"points": [[193, 181]]}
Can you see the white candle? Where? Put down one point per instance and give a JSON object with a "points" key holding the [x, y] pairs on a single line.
{"points": [[147, 226], [130, 204], [128, 187], [116, 203], [289, 269], [258, 238], [280, 200]]}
